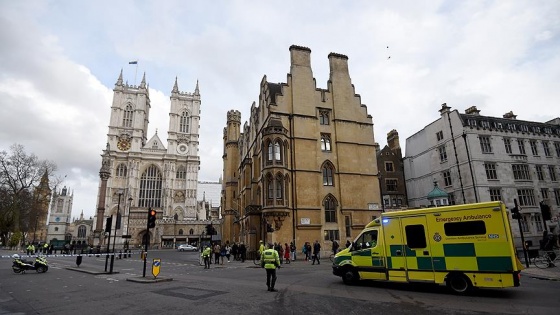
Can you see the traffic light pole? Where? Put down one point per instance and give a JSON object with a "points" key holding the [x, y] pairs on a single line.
{"points": [[518, 214]]}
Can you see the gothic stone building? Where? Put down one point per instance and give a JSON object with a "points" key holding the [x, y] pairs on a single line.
{"points": [[138, 173], [304, 168], [391, 169]]}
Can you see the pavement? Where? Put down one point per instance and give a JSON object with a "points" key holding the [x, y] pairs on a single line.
{"points": [[543, 274]]}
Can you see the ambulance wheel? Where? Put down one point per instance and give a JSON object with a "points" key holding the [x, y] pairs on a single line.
{"points": [[350, 276], [458, 283]]}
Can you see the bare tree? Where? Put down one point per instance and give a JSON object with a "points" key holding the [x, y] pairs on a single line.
{"points": [[20, 173]]}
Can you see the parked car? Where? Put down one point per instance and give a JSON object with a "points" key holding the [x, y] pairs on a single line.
{"points": [[186, 248]]}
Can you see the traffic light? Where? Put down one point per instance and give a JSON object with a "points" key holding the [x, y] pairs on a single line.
{"points": [[108, 224], [545, 211], [269, 228], [515, 213], [151, 218]]}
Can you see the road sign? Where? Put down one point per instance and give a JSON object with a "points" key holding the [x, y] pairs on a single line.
{"points": [[155, 267]]}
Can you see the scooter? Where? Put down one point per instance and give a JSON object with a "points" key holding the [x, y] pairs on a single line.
{"points": [[20, 266]]}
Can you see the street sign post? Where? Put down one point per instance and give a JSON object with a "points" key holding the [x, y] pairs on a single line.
{"points": [[155, 267]]}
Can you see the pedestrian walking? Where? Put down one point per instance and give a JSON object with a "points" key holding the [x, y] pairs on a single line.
{"points": [[308, 250], [334, 247], [293, 250], [217, 251], [270, 261], [286, 252], [316, 252], [242, 252]]}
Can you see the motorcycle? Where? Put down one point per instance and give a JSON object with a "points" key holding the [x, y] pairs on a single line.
{"points": [[20, 266]]}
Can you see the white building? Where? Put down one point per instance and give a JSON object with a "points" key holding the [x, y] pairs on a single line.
{"points": [[60, 216], [146, 173], [478, 158]]}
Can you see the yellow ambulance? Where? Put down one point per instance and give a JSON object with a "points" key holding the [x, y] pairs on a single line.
{"points": [[462, 246]]}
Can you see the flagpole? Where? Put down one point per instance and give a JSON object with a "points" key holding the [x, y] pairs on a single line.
{"points": [[135, 72]]}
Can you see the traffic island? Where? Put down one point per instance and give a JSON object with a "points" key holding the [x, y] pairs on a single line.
{"points": [[148, 280], [90, 271]]}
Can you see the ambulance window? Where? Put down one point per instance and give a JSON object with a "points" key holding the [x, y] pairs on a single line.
{"points": [[367, 240], [465, 228], [415, 236]]}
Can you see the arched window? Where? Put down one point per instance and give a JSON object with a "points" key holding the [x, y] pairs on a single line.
{"points": [[128, 115], [277, 152], [180, 231], [330, 209], [328, 171], [270, 152], [150, 188], [82, 231], [68, 237], [270, 187], [184, 122], [181, 172], [121, 170], [279, 186], [191, 231]]}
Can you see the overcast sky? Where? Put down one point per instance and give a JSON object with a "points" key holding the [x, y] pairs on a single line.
{"points": [[59, 61]]}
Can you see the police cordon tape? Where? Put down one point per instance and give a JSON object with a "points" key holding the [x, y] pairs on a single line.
{"points": [[71, 255]]}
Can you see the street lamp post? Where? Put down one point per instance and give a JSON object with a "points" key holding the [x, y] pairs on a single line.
{"points": [[117, 225], [35, 231], [175, 218], [128, 237]]}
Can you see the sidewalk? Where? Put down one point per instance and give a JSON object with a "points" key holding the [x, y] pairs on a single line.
{"points": [[544, 274]]}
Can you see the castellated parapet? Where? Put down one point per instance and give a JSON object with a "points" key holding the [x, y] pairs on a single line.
{"points": [[234, 116]]}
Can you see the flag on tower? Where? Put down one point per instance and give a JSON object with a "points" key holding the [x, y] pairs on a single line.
{"points": [[133, 62]]}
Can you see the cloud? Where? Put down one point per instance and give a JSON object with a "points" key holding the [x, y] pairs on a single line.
{"points": [[56, 79]]}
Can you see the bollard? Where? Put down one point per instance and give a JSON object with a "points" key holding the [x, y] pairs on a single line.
{"points": [[120, 254], [78, 261], [129, 253]]}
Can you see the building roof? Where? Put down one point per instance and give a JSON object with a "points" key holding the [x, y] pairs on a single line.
{"points": [[437, 193]]}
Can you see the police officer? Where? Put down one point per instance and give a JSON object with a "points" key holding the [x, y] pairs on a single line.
{"points": [[261, 248], [206, 256], [270, 261]]}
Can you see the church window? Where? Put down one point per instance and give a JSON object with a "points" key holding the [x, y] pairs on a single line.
{"points": [[82, 231], [270, 187], [191, 231], [328, 171], [270, 151], [59, 205], [279, 187], [128, 115], [56, 229], [180, 231], [325, 142], [181, 172], [324, 117], [184, 122], [277, 152], [150, 188], [121, 170], [330, 209]]}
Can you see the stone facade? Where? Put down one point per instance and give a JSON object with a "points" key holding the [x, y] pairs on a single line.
{"points": [[304, 168], [60, 216], [138, 174], [477, 158], [391, 169]]}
